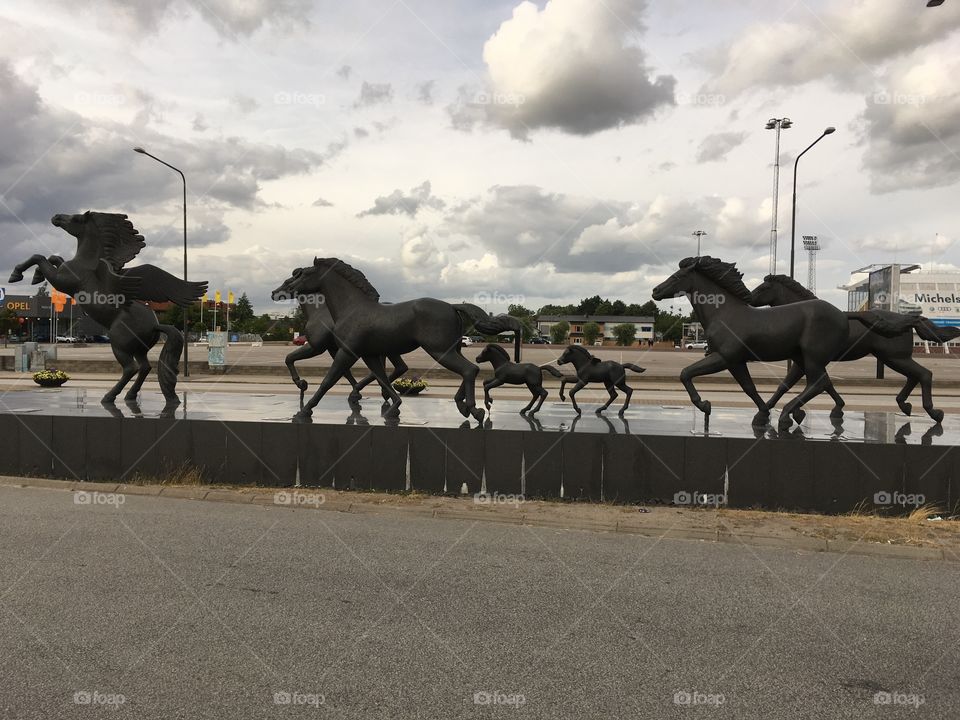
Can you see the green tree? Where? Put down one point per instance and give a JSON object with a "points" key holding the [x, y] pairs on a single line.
{"points": [[242, 314], [625, 333], [669, 326], [588, 306], [8, 322], [618, 308], [527, 321], [559, 332], [591, 331]]}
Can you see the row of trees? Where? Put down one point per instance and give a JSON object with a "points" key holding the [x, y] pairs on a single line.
{"points": [[242, 320]]}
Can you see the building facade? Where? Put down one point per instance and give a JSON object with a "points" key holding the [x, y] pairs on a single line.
{"points": [[643, 325]]}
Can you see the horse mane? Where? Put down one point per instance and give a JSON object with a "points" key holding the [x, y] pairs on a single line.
{"points": [[351, 274], [792, 285], [498, 350], [119, 240], [723, 273], [584, 351]]}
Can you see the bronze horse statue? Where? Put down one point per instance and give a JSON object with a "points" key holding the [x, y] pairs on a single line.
{"points": [[895, 352], [511, 373], [115, 296], [591, 369], [368, 330]]}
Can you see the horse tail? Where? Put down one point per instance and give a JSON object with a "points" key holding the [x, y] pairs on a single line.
{"points": [[934, 333], [552, 370], [475, 317], [170, 360], [891, 324], [635, 368]]}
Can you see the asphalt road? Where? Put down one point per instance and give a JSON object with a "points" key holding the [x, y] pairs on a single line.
{"points": [[180, 608]]}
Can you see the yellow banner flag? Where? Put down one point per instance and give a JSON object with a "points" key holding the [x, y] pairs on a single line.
{"points": [[216, 296], [230, 297]]}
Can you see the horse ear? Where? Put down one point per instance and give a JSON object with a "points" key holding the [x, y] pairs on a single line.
{"points": [[316, 261]]}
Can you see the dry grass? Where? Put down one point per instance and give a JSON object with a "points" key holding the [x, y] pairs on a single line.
{"points": [[184, 474]]}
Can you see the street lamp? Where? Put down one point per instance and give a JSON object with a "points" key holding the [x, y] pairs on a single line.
{"points": [[698, 234], [777, 124], [793, 219], [186, 337]]}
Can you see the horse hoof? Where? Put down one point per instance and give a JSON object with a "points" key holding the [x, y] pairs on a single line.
{"points": [[798, 415], [706, 407], [620, 413], [937, 416], [522, 412], [478, 415], [836, 413], [761, 419], [15, 276], [906, 408], [303, 416], [598, 411], [578, 411]]}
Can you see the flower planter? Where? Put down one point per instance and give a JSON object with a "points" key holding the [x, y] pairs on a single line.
{"points": [[50, 383], [409, 391]]}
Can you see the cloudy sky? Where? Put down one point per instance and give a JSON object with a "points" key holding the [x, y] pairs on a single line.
{"points": [[483, 150]]}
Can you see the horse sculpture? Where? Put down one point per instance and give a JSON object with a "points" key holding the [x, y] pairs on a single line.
{"points": [[895, 352], [115, 296], [368, 330], [811, 333], [591, 369], [321, 338], [506, 372]]}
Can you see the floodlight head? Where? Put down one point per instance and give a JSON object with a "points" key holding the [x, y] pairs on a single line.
{"points": [[830, 130], [140, 150], [785, 123], [771, 123]]}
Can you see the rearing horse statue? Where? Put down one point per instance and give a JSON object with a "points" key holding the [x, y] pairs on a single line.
{"points": [[115, 296]]}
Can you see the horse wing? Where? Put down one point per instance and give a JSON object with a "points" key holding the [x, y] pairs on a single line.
{"points": [[157, 285]]}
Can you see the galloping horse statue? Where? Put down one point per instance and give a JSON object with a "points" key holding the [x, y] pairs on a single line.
{"points": [[115, 296], [506, 372], [368, 330], [321, 338], [895, 352], [811, 333], [592, 369]]}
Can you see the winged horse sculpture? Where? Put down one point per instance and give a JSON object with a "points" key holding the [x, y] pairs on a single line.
{"points": [[115, 296]]}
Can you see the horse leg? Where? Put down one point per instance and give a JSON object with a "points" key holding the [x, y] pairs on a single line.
{"points": [[342, 362], [628, 391], [793, 376], [742, 375], [539, 391], [581, 384], [488, 385], [917, 373], [301, 353], [613, 396], [129, 370], [817, 382], [144, 370], [39, 260], [453, 361], [379, 371], [712, 363], [563, 384], [399, 368]]}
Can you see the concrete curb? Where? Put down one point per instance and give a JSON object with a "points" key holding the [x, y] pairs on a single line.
{"points": [[510, 517]]}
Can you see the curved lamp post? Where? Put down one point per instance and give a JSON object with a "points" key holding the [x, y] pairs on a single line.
{"points": [[186, 337], [793, 220]]}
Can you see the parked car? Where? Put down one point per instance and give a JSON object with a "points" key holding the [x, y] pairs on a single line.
{"points": [[66, 339], [539, 340], [465, 340], [300, 340], [700, 345], [477, 338]]}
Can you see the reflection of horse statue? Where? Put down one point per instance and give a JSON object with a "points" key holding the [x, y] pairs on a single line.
{"points": [[321, 338], [115, 296], [368, 330], [591, 369], [810, 333], [895, 352], [506, 372]]}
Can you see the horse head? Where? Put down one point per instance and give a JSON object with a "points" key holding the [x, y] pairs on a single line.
{"points": [[571, 354], [680, 282], [76, 225], [485, 355], [764, 294]]}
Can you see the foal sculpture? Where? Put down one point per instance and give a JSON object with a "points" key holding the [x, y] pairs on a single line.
{"points": [[368, 330], [115, 296], [591, 369], [506, 372], [895, 352], [811, 333]]}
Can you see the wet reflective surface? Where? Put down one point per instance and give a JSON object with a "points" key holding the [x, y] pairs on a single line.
{"points": [[876, 427]]}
